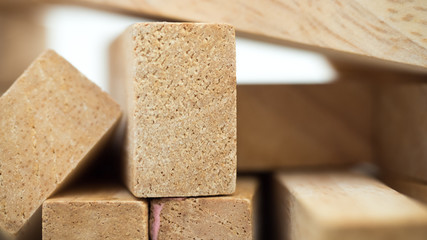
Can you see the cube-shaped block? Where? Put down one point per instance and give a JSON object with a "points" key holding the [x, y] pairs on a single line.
{"points": [[177, 84], [52, 120]]}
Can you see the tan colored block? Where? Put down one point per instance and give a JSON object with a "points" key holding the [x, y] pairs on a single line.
{"points": [[344, 206], [383, 32], [95, 212], [402, 127], [53, 120], [283, 126], [18, 24], [225, 217], [177, 84]]}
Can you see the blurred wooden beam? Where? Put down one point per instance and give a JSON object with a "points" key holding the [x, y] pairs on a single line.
{"points": [[393, 33]]}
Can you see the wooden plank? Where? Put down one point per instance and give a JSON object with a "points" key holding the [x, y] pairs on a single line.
{"points": [[225, 217], [394, 31], [345, 206], [95, 212], [282, 126], [401, 129], [52, 121], [178, 88]]}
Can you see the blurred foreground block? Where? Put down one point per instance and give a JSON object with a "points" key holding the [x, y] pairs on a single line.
{"points": [[402, 129], [283, 126], [95, 212], [344, 206], [225, 217], [52, 121], [177, 84], [22, 38]]}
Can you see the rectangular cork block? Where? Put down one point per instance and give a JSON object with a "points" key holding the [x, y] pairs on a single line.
{"points": [[224, 217], [345, 206], [95, 212], [402, 129], [53, 119], [177, 84], [282, 126]]}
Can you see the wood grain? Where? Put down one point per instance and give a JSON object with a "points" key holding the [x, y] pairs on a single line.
{"points": [[391, 30], [344, 206], [282, 126]]}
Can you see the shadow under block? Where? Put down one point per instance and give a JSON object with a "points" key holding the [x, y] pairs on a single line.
{"points": [[96, 212], [345, 206], [402, 129], [283, 126], [52, 120], [224, 217], [177, 84], [394, 31]]}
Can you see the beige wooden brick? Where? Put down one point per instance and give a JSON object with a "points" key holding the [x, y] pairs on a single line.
{"points": [[95, 212], [345, 206], [225, 217], [282, 126], [177, 84], [52, 121]]}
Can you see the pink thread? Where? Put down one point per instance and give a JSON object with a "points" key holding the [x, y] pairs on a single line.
{"points": [[155, 225]]}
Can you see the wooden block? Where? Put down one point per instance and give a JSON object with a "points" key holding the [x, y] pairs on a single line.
{"points": [[17, 25], [177, 84], [401, 129], [283, 126], [53, 120], [409, 187], [345, 206], [394, 31], [95, 212], [225, 217]]}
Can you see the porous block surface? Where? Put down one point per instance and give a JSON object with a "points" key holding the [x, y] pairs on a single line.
{"points": [[224, 217], [345, 206], [95, 212], [52, 120], [177, 84]]}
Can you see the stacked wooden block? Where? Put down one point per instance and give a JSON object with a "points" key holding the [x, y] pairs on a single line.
{"points": [[182, 128]]}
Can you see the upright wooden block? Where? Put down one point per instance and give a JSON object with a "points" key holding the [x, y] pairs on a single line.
{"points": [[386, 31], [225, 217], [402, 129], [345, 206], [52, 120], [177, 84], [95, 212], [283, 126]]}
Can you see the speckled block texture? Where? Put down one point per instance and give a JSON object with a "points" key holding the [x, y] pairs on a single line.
{"points": [[225, 217], [52, 121], [95, 212], [177, 84]]}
